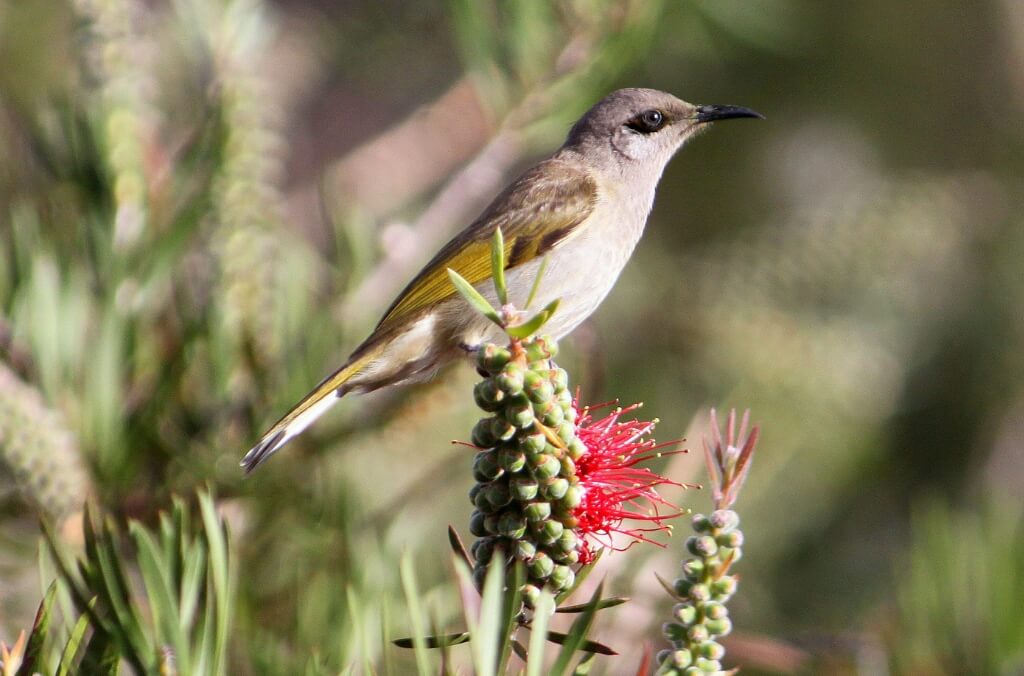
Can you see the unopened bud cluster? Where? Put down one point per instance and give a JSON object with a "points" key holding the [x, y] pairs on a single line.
{"points": [[527, 486], [703, 588]]}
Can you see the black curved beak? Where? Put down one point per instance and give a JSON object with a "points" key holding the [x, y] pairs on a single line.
{"points": [[710, 113]]}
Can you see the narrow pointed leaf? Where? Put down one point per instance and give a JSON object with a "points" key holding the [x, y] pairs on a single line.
{"points": [[416, 614], [535, 287], [70, 654], [32, 661], [532, 325], [577, 633], [459, 549], [542, 611], [473, 297], [585, 646], [667, 587], [498, 266], [605, 603], [457, 638]]}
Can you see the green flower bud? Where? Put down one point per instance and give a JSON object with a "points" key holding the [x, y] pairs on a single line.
{"points": [[713, 610], [550, 531], [572, 498], [474, 491], [560, 379], [697, 633], [720, 627], [711, 650], [483, 434], [673, 631], [570, 558], [663, 655], [511, 459], [541, 566], [576, 449], [497, 494], [703, 545], [693, 569], [476, 523], [723, 587], [524, 488], [732, 539], [512, 525], [569, 411], [568, 541], [502, 429], [479, 575], [681, 586], [537, 511], [541, 347], [541, 392], [531, 594], [724, 519], [481, 500], [684, 613], [700, 523], [562, 578], [566, 431], [525, 550], [520, 415], [708, 666], [491, 523], [550, 413], [555, 489], [492, 357], [486, 467], [547, 467], [483, 549], [699, 592], [732, 555], [532, 444], [680, 659], [487, 395], [510, 380], [693, 671]]}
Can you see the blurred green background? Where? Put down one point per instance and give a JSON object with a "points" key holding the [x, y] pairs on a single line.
{"points": [[204, 205]]}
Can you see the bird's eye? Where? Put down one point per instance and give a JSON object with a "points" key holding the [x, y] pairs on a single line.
{"points": [[648, 121]]}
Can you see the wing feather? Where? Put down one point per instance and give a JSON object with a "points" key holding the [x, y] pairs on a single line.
{"points": [[539, 211]]}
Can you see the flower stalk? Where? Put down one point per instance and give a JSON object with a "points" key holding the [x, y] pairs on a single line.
{"points": [[701, 617]]}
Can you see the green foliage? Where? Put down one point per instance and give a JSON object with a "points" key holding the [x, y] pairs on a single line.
{"points": [[177, 617], [958, 592]]}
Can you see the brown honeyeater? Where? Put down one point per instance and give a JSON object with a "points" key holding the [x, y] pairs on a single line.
{"points": [[583, 209]]}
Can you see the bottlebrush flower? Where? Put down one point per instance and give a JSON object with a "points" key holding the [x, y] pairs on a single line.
{"points": [[615, 488], [553, 484]]}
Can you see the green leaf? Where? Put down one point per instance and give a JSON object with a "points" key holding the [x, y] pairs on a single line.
{"points": [[532, 325], [605, 603], [417, 617], [457, 638], [459, 549], [498, 266], [542, 612], [473, 297], [577, 635], [535, 287], [32, 662], [487, 635], [70, 653]]}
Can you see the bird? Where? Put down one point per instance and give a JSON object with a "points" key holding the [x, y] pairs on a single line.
{"points": [[582, 210]]}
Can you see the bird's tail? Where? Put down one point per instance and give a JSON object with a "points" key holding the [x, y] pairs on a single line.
{"points": [[302, 415]]}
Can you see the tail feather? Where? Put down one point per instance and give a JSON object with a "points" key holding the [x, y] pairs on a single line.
{"points": [[302, 415]]}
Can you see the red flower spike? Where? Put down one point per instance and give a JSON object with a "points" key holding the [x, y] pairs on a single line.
{"points": [[615, 488]]}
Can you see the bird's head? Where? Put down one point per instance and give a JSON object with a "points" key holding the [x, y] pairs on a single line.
{"points": [[640, 129]]}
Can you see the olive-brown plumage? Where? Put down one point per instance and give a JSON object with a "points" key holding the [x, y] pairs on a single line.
{"points": [[583, 209]]}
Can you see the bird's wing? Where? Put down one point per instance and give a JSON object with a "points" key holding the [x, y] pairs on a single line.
{"points": [[540, 210]]}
